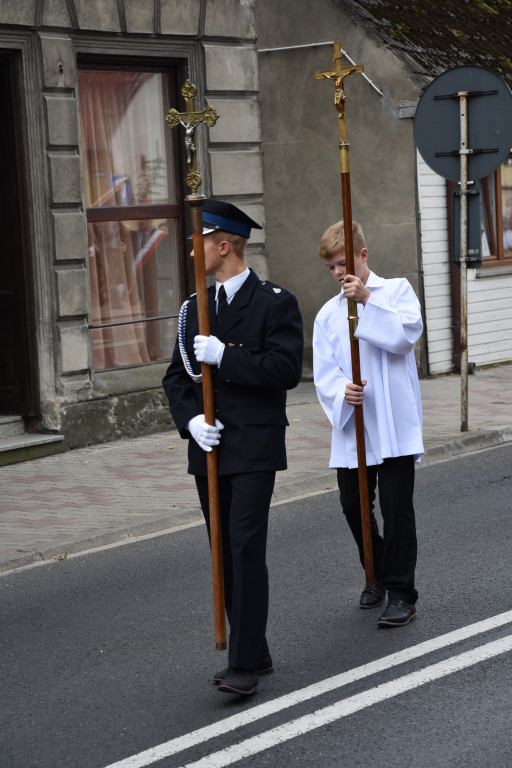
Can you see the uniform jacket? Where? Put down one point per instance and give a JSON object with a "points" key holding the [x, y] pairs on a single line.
{"points": [[262, 331], [389, 325]]}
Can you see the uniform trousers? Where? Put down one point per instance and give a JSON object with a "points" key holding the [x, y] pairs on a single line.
{"points": [[394, 553], [244, 501]]}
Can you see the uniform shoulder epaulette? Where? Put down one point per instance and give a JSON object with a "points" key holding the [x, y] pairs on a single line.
{"points": [[192, 295], [272, 288]]}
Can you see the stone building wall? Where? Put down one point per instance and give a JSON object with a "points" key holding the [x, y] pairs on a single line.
{"points": [[301, 156], [217, 40]]}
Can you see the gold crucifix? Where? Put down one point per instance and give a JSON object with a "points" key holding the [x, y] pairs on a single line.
{"points": [[190, 120], [338, 75]]}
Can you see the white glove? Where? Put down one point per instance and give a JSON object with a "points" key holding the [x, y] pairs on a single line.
{"points": [[205, 434], [208, 349]]}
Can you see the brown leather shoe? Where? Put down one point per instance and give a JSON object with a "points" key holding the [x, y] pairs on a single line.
{"points": [[264, 668], [241, 681]]}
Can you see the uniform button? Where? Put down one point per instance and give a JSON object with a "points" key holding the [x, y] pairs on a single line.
{"points": [[264, 282], [240, 345]]}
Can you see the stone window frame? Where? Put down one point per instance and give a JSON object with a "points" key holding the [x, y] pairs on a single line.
{"points": [[157, 53], [148, 211]]}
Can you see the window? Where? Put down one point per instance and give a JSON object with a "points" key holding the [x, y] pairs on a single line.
{"points": [[506, 207], [497, 216], [131, 172]]}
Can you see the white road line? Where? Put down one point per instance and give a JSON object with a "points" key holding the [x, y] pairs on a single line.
{"points": [[322, 717], [241, 719]]}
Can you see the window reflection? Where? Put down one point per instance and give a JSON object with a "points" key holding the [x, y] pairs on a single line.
{"points": [[133, 262], [126, 154], [132, 277], [506, 205]]}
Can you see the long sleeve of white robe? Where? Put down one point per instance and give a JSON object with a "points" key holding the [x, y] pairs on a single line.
{"points": [[389, 326]]}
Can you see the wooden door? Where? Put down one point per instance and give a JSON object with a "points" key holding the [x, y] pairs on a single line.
{"points": [[17, 383]]}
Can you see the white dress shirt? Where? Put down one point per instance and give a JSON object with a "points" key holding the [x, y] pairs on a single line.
{"points": [[231, 286]]}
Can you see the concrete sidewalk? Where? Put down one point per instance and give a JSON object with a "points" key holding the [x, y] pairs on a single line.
{"points": [[86, 498]]}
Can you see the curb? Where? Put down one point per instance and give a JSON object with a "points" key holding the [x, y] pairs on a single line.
{"points": [[186, 516], [466, 443]]}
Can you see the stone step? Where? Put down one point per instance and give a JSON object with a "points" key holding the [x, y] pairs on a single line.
{"points": [[30, 445], [11, 425]]}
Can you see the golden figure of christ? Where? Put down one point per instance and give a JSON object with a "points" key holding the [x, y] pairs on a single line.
{"points": [[190, 120], [338, 74]]}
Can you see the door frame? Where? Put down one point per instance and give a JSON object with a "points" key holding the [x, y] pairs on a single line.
{"points": [[28, 362]]}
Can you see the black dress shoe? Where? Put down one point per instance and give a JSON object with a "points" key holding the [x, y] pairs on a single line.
{"points": [[372, 597], [397, 613], [241, 681], [264, 668]]}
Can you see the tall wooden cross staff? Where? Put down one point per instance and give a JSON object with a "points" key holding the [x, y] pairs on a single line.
{"points": [[190, 120], [338, 75]]}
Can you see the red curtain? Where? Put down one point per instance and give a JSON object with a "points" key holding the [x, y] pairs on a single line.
{"points": [[116, 266]]}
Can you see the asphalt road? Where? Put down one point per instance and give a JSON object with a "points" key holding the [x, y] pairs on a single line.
{"points": [[108, 655]]}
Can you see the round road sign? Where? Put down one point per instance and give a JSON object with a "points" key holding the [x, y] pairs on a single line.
{"points": [[437, 127]]}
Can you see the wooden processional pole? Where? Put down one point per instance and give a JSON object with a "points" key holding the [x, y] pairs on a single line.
{"points": [[190, 120], [338, 75]]}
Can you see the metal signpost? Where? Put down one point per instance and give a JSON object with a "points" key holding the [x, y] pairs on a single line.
{"points": [[463, 131]]}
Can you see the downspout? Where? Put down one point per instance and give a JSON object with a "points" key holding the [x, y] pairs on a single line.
{"points": [[424, 363], [454, 281]]}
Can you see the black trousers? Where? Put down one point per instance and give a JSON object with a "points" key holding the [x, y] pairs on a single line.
{"points": [[395, 552], [244, 502]]}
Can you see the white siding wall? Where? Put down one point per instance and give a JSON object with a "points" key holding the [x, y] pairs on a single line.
{"points": [[489, 316], [489, 290], [436, 267]]}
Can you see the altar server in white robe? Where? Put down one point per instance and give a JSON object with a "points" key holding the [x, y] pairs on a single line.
{"points": [[389, 325]]}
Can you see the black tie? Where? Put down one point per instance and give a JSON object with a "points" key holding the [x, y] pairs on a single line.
{"points": [[222, 304]]}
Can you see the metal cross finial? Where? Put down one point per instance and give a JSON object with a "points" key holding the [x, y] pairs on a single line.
{"points": [[190, 120], [338, 75]]}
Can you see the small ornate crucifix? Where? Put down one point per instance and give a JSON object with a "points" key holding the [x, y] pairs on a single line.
{"points": [[190, 120], [338, 75]]}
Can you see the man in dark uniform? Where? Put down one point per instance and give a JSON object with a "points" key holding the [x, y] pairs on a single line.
{"points": [[255, 348]]}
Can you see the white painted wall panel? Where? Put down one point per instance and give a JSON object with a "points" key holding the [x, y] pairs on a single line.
{"points": [[436, 267], [489, 302], [489, 316]]}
